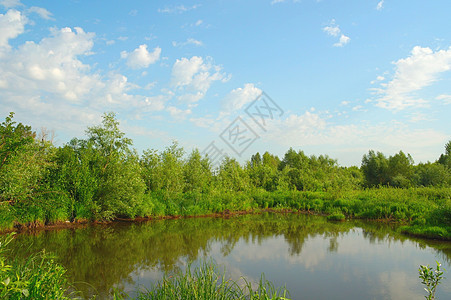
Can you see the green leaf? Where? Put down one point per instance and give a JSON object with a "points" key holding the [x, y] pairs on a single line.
{"points": [[25, 292]]}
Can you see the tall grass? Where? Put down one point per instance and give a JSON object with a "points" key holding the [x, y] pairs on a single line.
{"points": [[39, 277], [208, 282]]}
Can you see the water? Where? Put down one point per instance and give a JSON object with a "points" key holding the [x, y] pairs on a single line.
{"points": [[314, 258]]}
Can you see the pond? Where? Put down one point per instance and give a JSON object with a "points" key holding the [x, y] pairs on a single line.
{"points": [[314, 258]]}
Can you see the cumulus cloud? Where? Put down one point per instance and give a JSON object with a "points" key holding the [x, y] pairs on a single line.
{"points": [[48, 80], [334, 30], [380, 5], [12, 24], [51, 65], [342, 41], [195, 75], [421, 69], [239, 97], [141, 57]]}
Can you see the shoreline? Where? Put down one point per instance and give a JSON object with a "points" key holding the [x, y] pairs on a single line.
{"points": [[38, 227]]}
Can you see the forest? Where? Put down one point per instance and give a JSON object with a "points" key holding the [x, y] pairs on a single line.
{"points": [[103, 178]]}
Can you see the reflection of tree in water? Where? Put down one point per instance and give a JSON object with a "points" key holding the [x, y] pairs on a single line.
{"points": [[109, 255], [333, 244]]}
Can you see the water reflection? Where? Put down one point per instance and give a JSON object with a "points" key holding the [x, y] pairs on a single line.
{"points": [[316, 259]]}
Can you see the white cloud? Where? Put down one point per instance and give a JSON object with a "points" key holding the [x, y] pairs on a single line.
{"points": [[42, 12], [239, 97], [177, 113], [141, 57], [52, 65], [12, 24], [198, 22], [177, 9], [195, 75], [380, 5], [277, 1], [445, 98], [358, 108], [10, 3], [343, 41], [345, 102], [191, 98], [203, 122], [313, 130], [48, 82], [421, 69], [334, 30], [189, 41]]}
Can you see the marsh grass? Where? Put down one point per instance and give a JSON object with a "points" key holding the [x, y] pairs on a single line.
{"points": [[208, 282], [39, 277]]}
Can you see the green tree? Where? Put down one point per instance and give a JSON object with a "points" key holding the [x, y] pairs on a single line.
{"points": [[120, 186], [171, 171], [197, 173], [445, 159], [232, 177], [432, 174], [400, 170], [151, 169], [375, 169], [13, 138]]}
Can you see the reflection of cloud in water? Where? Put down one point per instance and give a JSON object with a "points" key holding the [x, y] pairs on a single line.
{"points": [[396, 285], [231, 265], [343, 265]]}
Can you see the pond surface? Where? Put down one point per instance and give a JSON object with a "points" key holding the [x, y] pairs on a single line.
{"points": [[314, 258]]}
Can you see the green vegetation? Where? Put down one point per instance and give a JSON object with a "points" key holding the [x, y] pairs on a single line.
{"points": [[103, 178], [431, 279], [39, 277], [208, 282]]}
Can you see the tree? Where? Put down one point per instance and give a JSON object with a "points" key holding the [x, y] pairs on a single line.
{"points": [[445, 159], [197, 173], [13, 138], [231, 176], [120, 186], [375, 169], [400, 170], [171, 171], [432, 174]]}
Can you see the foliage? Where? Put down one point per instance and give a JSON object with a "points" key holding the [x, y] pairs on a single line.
{"points": [[431, 279], [39, 277], [102, 178], [208, 282]]}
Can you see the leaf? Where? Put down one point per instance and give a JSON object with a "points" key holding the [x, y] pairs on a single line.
{"points": [[25, 292], [6, 281]]}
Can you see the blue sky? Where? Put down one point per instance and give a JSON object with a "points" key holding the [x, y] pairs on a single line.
{"points": [[349, 76]]}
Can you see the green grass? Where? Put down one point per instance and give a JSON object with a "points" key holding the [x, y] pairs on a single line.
{"points": [[432, 232], [39, 277], [208, 282], [422, 206], [336, 217]]}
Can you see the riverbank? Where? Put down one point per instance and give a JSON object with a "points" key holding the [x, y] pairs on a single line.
{"points": [[424, 212]]}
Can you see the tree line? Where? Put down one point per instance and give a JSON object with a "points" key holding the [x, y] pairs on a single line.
{"points": [[103, 177]]}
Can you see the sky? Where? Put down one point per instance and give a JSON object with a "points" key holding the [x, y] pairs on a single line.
{"points": [[328, 77]]}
